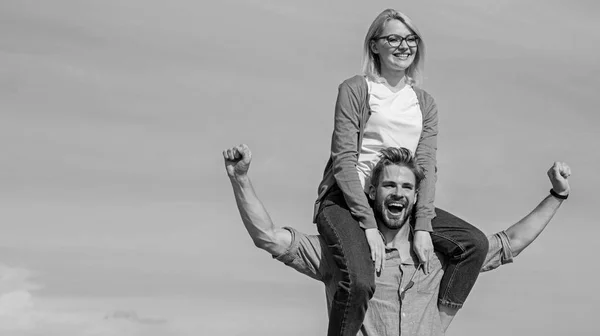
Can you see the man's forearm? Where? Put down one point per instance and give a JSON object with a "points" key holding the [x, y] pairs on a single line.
{"points": [[526, 230], [256, 219]]}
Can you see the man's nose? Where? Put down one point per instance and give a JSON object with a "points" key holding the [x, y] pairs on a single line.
{"points": [[399, 192]]}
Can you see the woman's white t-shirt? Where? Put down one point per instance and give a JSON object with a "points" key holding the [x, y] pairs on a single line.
{"points": [[396, 121]]}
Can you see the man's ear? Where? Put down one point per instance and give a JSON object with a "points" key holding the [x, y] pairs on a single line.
{"points": [[372, 192], [416, 196]]}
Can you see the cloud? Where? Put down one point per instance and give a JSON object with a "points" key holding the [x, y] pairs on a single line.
{"points": [[21, 315], [132, 316], [14, 279], [121, 327], [16, 303]]}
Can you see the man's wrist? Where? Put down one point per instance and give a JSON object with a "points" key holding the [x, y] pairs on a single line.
{"points": [[240, 179], [560, 195]]}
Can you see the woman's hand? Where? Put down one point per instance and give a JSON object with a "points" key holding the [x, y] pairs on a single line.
{"points": [[423, 248], [377, 248]]}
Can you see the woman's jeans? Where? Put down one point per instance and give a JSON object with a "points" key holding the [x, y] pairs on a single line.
{"points": [[463, 244], [465, 247]]}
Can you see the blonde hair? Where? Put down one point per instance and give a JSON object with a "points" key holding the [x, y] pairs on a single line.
{"points": [[371, 65]]}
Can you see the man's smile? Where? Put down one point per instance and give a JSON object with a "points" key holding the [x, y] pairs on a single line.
{"points": [[395, 207]]}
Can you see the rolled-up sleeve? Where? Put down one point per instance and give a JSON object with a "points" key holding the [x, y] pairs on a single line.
{"points": [[499, 252], [305, 255]]}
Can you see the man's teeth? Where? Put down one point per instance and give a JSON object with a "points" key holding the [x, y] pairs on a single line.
{"points": [[395, 207]]}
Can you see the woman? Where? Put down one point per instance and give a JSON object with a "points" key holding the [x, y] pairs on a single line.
{"points": [[385, 108]]}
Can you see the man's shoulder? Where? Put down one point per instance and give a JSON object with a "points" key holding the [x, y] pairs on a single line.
{"points": [[499, 251], [298, 244], [308, 254]]}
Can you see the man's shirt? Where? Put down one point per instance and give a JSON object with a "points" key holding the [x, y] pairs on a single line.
{"points": [[396, 308]]}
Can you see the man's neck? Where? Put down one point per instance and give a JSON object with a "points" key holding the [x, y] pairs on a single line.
{"points": [[399, 239]]}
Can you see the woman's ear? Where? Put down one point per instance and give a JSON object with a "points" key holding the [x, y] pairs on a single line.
{"points": [[373, 47]]}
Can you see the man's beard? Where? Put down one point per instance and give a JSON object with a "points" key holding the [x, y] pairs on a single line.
{"points": [[393, 211]]}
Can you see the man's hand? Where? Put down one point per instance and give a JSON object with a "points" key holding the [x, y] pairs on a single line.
{"points": [[237, 161], [558, 174], [255, 217], [377, 248], [423, 248], [525, 231]]}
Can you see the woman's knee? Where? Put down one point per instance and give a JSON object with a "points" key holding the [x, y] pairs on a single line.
{"points": [[478, 244], [363, 286]]}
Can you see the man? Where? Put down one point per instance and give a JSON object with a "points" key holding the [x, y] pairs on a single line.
{"points": [[405, 299]]}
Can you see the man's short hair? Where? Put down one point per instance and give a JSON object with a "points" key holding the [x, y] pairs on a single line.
{"points": [[396, 156]]}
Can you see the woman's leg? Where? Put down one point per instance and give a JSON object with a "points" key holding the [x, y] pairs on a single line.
{"points": [[347, 242], [466, 248]]}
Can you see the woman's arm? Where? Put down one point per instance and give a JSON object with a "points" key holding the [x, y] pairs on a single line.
{"points": [[426, 158], [344, 154]]}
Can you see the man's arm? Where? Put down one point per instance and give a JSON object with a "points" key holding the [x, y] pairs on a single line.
{"points": [[525, 231], [306, 254], [506, 245], [254, 215]]}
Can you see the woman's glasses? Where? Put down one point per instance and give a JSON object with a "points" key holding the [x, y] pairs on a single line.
{"points": [[395, 40]]}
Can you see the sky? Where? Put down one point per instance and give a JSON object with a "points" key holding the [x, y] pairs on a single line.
{"points": [[118, 218]]}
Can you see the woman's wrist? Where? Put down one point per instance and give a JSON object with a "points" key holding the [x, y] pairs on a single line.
{"points": [[423, 224]]}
